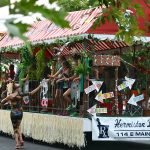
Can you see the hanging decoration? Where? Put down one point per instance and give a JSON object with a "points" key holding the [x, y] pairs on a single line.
{"points": [[106, 60], [100, 97], [75, 94], [127, 83], [44, 93], [95, 86], [134, 99], [94, 110], [26, 90]]}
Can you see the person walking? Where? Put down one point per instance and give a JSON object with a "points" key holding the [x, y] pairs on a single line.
{"points": [[16, 113]]}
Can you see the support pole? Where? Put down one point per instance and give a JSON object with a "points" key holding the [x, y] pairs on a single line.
{"points": [[116, 91]]}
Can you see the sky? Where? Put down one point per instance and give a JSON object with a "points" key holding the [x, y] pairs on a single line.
{"points": [[4, 14]]}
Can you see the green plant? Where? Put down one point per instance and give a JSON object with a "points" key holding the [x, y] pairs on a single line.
{"points": [[26, 61], [140, 59], [83, 69], [40, 63]]}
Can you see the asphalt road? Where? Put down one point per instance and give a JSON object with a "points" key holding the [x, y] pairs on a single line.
{"points": [[7, 143]]}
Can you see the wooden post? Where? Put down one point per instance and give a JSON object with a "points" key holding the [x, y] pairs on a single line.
{"points": [[116, 91], [85, 97], [147, 83]]}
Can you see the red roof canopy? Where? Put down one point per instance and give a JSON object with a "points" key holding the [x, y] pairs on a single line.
{"points": [[111, 28], [81, 22]]}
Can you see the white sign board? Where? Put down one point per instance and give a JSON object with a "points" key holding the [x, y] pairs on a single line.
{"points": [[120, 128]]}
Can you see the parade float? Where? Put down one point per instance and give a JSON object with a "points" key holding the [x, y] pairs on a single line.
{"points": [[122, 110]]}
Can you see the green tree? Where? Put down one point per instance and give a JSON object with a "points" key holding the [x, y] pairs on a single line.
{"points": [[28, 8], [4, 3], [74, 5], [118, 11]]}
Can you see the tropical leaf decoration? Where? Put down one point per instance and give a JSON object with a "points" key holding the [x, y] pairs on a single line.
{"points": [[26, 61], [41, 64], [83, 69]]}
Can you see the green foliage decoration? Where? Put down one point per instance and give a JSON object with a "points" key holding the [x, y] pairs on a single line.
{"points": [[26, 61], [142, 64], [40, 59], [83, 69]]}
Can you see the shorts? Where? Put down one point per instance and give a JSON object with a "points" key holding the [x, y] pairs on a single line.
{"points": [[60, 85], [16, 117]]}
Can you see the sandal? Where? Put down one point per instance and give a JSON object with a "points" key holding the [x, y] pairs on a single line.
{"points": [[21, 143], [17, 146]]}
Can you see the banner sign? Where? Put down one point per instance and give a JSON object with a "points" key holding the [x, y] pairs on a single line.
{"points": [[26, 90], [134, 99], [127, 83], [44, 93], [120, 128], [101, 96], [106, 60]]}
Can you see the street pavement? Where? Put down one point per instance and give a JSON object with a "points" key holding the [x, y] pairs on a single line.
{"points": [[7, 143]]}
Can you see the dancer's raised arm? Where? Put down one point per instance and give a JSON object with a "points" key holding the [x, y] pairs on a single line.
{"points": [[35, 90], [5, 100]]}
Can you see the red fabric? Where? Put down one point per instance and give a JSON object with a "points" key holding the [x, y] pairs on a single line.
{"points": [[109, 106], [135, 92], [48, 55]]}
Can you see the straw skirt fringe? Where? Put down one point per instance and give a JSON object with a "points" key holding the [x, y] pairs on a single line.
{"points": [[47, 128]]}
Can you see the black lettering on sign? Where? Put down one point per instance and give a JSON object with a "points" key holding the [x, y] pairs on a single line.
{"points": [[103, 130]]}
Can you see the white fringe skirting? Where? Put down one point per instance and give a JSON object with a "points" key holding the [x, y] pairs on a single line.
{"points": [[47, 128]]}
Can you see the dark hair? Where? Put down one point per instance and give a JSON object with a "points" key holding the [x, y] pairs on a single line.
{"points": [[91, 62], [76, 56], [11, 67], [66, 63], [62, 58]]}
